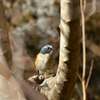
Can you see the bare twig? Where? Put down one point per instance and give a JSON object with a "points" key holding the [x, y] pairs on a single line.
{"points": [[83, 39], [90, 72], [84, 49]]}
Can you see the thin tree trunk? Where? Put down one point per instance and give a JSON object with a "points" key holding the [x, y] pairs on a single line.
{"points": [[69, 46]]}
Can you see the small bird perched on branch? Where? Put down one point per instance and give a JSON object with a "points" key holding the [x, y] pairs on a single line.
{"points": [[44, 60]]}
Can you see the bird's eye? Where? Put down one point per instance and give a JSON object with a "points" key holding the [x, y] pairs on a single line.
{"points": [[49, 48]]}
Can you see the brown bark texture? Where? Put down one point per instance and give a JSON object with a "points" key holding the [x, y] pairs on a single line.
{"points": [[69, 45]]}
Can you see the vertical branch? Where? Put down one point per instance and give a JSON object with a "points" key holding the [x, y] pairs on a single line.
{"points": [[83, 40], [84, 48], [69, 47]]}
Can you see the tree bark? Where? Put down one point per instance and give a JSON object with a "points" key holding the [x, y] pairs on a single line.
{"points": [[69, 46]]}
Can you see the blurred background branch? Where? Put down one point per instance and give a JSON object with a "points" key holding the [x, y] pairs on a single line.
{"points": [[5, 50]]}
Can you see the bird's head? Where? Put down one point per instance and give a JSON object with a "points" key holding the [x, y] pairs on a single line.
{"points": [[47, 49]]}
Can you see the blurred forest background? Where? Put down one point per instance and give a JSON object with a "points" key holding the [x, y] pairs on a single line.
{"points": [[34, 23]]}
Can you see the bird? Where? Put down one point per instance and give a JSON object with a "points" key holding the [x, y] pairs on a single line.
{"points": [[44, 59]]}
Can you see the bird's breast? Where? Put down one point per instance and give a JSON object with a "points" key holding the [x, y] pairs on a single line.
{"points": [[44, 61]]}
